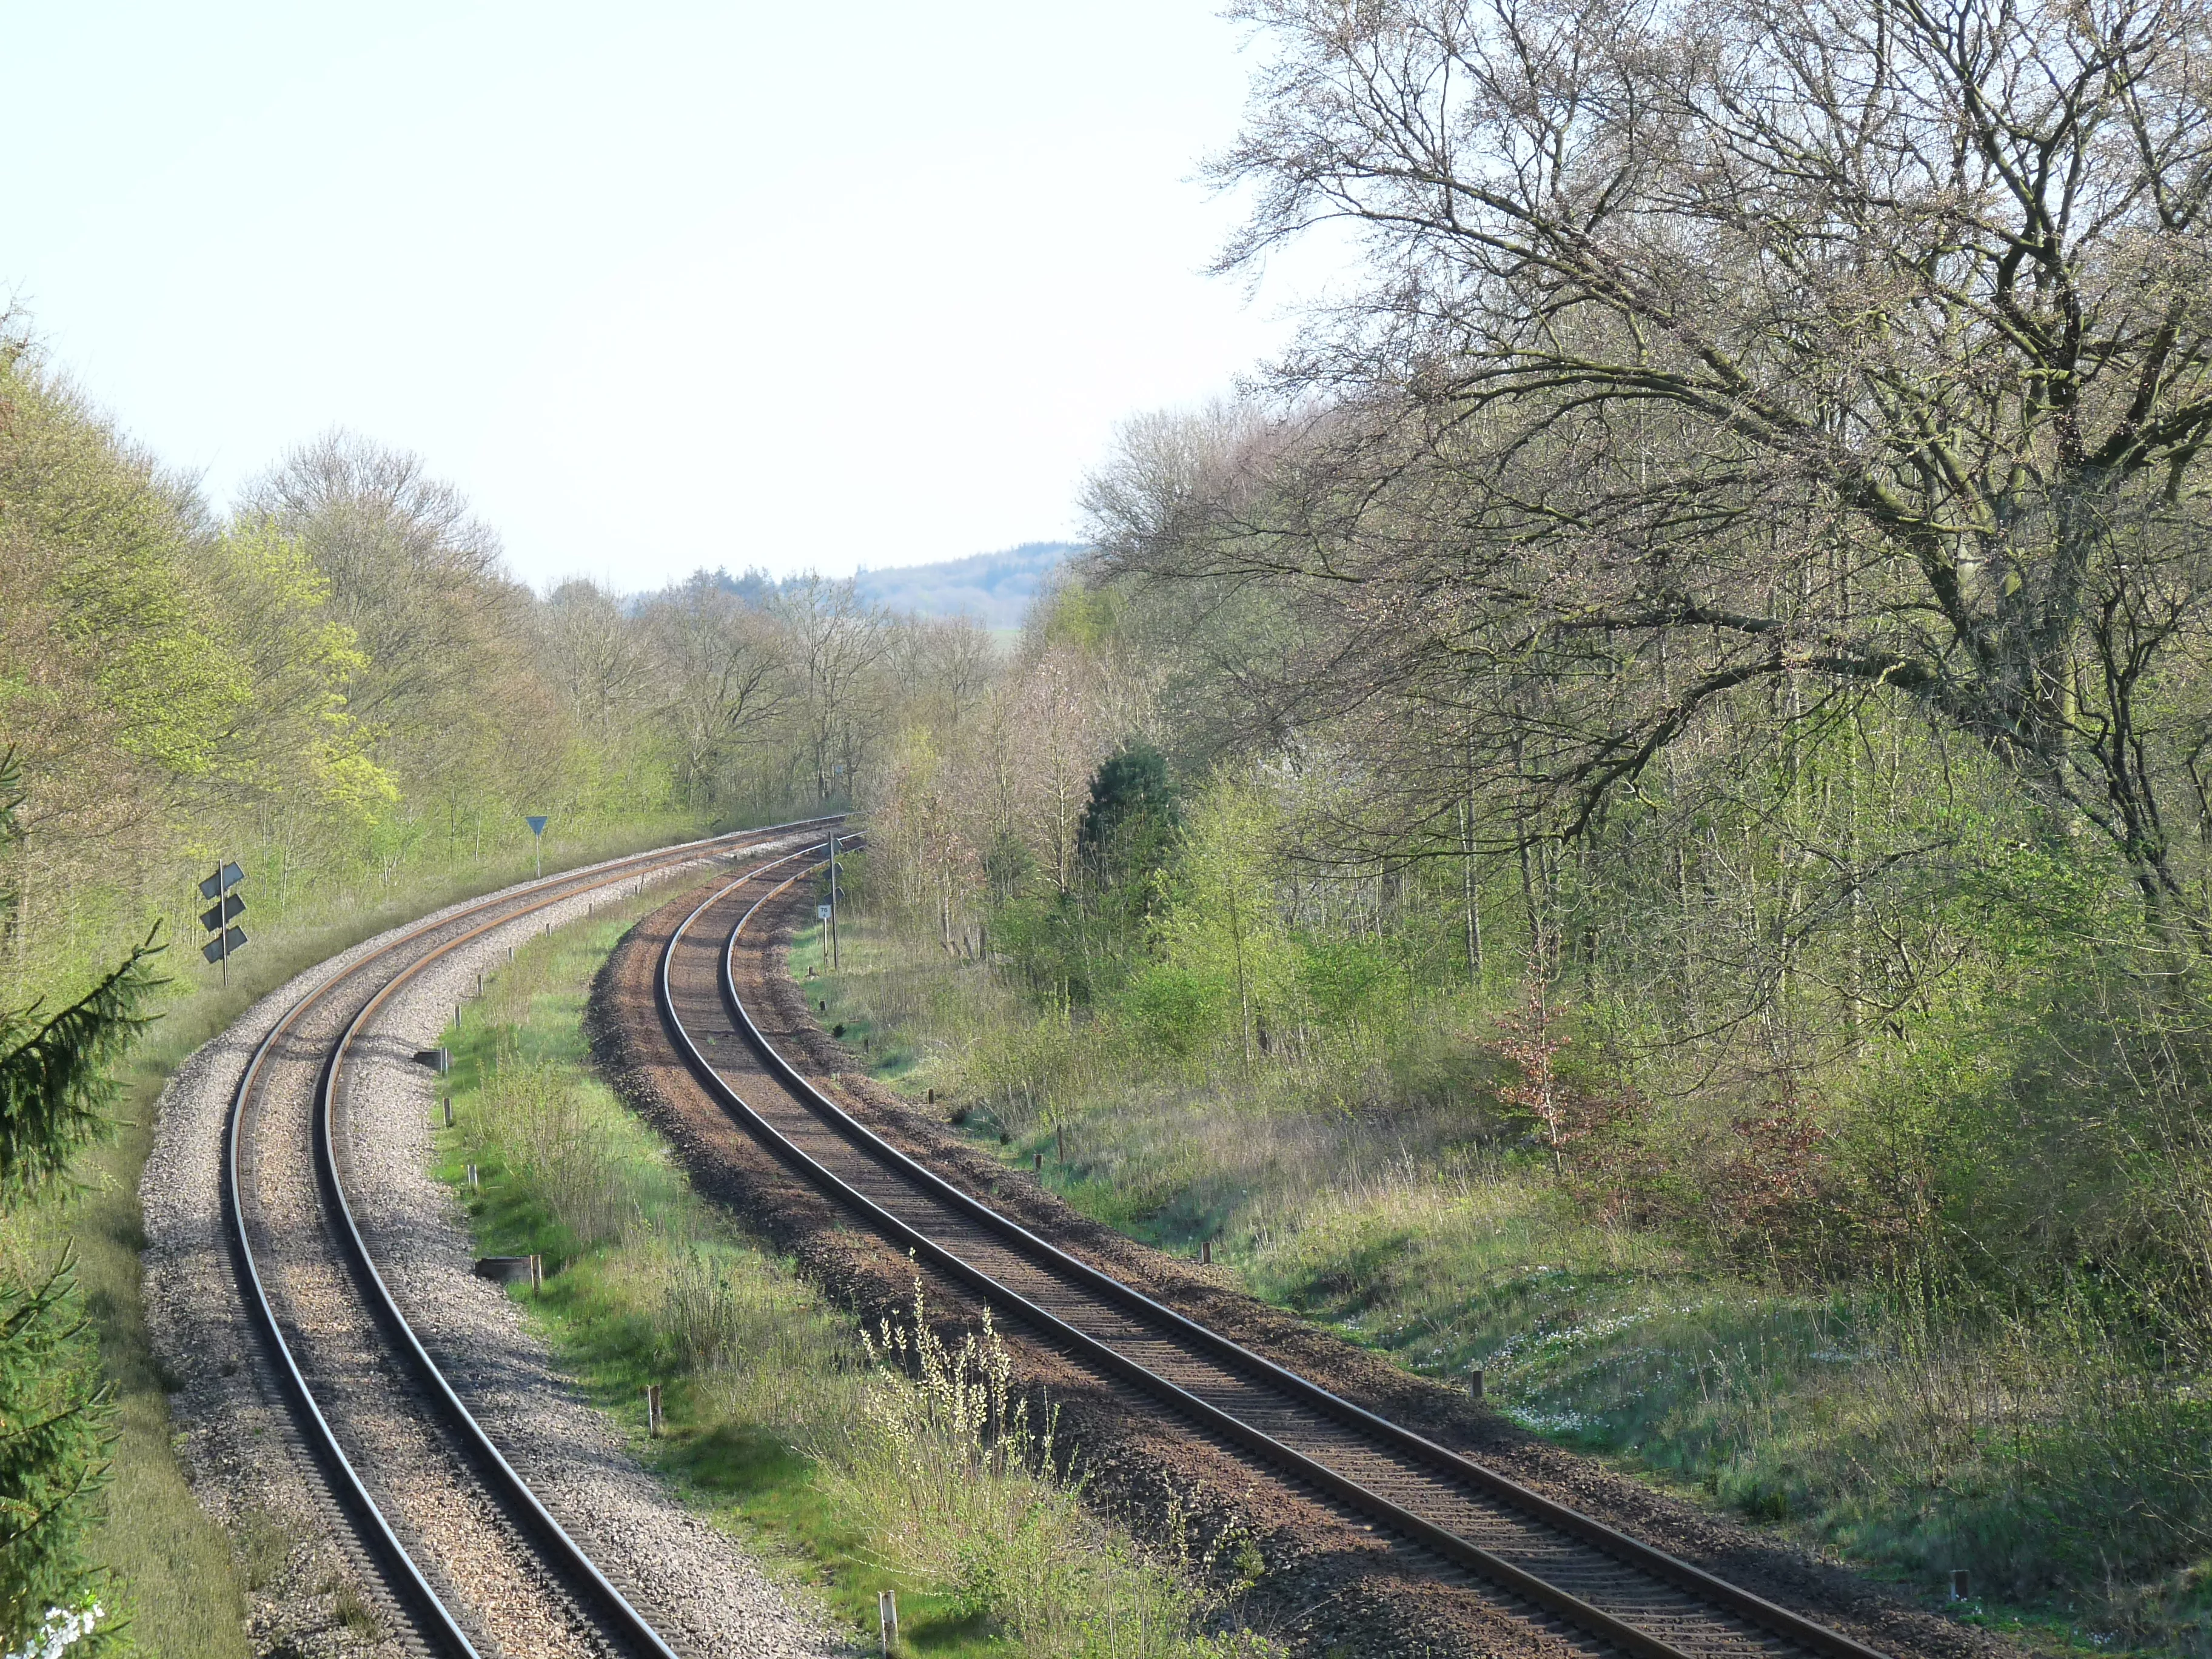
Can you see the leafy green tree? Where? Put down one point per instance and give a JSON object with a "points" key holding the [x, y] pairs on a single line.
{"points": [[1221, 926]]}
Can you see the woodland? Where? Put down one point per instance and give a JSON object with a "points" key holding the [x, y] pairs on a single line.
{"points": [[1636, 814]]}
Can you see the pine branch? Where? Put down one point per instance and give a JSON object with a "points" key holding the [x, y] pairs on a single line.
{"points": [[53, 1083]]}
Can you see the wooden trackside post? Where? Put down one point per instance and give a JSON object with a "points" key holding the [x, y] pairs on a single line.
{"points": [[653, 1418], [1474, 1384]]}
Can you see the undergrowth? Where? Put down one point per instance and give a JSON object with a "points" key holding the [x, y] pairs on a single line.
{"points": [[860, 1462], [1364, 1183]]}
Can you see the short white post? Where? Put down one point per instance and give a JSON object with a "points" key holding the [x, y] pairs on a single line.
{"points": [[887, 1617], [653, 1418]]}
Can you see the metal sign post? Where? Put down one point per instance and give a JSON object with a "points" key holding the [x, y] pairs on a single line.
{"points": [[537, 823], [833, 904], [227, 908]]}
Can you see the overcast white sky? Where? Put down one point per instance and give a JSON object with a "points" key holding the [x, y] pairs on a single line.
{"points": [[657, 284]]}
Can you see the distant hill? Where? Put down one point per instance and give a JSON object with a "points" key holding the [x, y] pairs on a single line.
{"points": [[994, 588]]}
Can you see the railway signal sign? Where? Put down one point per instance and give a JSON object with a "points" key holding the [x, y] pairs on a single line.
{"points": [[537, 823], [217, 918]]}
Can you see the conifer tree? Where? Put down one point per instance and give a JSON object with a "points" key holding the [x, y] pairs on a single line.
{"points": [[55, 1414]]}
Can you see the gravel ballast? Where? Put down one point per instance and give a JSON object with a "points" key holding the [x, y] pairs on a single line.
{"points": [[311, 1592]]}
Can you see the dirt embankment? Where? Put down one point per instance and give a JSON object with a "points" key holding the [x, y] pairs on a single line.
{"points": [[1333, 1585]]}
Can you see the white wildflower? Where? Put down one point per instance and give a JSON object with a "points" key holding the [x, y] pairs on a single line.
{"points": [[63, 1629]]}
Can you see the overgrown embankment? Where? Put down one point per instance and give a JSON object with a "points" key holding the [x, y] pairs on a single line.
{"points": [[865, 1459], [1393, 1181]]}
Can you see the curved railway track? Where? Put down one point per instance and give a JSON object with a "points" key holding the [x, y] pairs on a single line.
{"points": [[1542, 1555], [476, 1563]]}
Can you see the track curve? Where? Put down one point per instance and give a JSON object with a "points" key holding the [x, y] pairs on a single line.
{"points": [[373, 1405], [1631, 1597]]}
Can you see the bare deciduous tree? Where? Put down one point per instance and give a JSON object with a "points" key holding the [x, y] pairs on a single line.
{"points": [[1849, 350], [835, 641], [598, 657], [726, 678]]}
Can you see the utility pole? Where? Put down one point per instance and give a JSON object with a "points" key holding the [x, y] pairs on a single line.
{"points": [[833, 902]]}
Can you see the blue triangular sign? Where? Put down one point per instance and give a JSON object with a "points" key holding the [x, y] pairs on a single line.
{"points": [[537, 825]]}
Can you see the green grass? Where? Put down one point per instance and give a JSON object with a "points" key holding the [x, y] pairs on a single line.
{"points": [[1368, 1188], [780, 1426]]}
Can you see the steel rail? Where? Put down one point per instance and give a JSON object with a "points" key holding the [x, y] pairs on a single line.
{"points": [[412, 1587], [611, 1603], [1780, 1621]]}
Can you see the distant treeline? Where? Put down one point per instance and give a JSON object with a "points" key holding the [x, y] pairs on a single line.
{"points": [[338, 681], [995, 589]]}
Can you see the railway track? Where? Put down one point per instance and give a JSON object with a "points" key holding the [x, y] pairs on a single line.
{"points": [[1524, 1548], [476, 1564]]}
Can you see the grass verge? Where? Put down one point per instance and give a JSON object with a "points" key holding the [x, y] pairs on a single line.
{"points": [[859, 1462]]}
